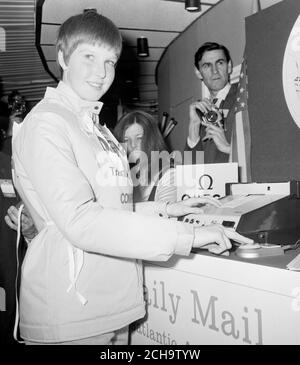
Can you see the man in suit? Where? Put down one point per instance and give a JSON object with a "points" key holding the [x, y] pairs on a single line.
{"points": [[213, 66]]}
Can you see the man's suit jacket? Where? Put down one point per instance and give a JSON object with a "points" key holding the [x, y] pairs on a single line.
{"points": [[211, 153]]}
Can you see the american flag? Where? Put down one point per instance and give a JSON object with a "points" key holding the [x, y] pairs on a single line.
{"points": [[241, 136]]}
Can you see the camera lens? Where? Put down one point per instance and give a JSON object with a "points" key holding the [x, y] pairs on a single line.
{"points": [[211, 116]]}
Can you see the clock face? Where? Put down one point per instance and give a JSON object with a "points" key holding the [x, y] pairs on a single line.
{"points": [[291, 72]]}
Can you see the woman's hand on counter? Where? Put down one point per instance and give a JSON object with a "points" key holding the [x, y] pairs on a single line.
{"points": [[191, 205], [216, 238]]}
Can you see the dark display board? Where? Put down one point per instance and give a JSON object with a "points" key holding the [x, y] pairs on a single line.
{"points": [[275, 135]]}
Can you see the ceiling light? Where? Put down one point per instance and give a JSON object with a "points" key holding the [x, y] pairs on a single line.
{"points": [[90, 9], [192, 5], [142, 47]]}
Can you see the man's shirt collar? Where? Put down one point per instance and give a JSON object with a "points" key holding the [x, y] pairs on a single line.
{"points": [[222, 94]]}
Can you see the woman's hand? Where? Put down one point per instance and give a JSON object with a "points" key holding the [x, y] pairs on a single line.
{"points": [[216, 238], [190, 205], [27, 226]]}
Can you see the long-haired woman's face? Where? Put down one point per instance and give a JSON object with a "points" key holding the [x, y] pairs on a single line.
{"points": [[133, 138]]}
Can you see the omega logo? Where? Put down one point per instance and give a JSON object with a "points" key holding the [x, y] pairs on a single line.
{"points": [[205, 183]]}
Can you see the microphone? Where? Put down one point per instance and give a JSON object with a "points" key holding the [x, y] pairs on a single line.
{"points": [[163, 121], [171, 125]]}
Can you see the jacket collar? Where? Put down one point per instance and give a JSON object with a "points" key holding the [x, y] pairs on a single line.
{"points": [[88, 111], [72, 101]]}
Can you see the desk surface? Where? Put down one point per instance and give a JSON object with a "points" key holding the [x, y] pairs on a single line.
{"points": [[279, 261], [220, 300]]}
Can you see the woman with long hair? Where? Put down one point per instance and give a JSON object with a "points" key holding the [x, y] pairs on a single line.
{"points": [[152, 165]]}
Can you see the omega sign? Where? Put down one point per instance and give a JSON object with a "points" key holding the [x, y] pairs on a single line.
{"points": [[205, 184], [291, 72], [204, 180]]}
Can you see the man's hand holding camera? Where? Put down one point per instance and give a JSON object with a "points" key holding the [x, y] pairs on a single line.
{"points": [[196, 109], [214, 130]]}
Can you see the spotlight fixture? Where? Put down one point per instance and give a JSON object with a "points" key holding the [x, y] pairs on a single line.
{"points": [[142, 47], [192, 5], [90, 9]]}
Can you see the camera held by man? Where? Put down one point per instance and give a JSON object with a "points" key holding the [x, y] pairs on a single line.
{"points": [[211, 117]]}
